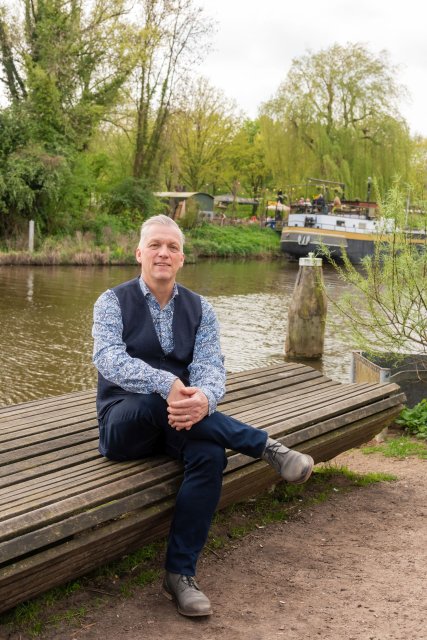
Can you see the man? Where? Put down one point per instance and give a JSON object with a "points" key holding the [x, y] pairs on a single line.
{"points": [[160, 377]]}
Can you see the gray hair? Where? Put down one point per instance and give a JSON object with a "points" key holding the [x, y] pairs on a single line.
{"points": [[160, 219]]}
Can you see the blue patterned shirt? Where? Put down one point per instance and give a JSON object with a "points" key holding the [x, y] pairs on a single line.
{"points": [[207, 370]]}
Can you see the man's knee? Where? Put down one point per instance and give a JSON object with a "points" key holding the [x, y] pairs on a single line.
{"points": [[133, 428], [206, 456]]}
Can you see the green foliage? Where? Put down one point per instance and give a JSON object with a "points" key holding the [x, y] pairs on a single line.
{"points": [[132, 197], [387, 309], [414, 419], [200, 129], [63, 70]]}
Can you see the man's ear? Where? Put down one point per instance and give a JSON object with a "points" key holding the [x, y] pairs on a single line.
{"points": [[138, 255]]}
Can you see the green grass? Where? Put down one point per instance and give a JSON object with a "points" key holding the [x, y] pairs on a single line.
{"points": [[401, 447]]}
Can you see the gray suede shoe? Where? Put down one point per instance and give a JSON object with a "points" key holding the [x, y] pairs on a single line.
{"points": [[294, 467], [185, 591]]}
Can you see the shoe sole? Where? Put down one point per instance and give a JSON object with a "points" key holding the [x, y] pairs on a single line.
{"points": [[308, 472], [170, 596]]}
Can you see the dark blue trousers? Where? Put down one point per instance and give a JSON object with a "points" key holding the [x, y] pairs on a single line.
{"points": [[137, 426]]}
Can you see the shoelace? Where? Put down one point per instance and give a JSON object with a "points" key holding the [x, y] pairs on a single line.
{"points": [[190, 582], [271, 451]]}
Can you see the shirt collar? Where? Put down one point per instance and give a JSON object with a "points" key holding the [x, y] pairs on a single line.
{"points": [[147, 291]]}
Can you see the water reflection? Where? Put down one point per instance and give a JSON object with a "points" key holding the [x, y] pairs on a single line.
{"points": [[30, 285], [46, 317]]}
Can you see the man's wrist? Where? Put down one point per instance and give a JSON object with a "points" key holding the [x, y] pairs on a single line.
{"points": [[165, 385], [212, 401]]}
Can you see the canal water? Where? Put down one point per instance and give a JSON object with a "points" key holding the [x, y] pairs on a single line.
{"points": [[46, 318]]}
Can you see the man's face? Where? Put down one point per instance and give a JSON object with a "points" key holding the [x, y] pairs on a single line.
{"points": [[160, 256]]}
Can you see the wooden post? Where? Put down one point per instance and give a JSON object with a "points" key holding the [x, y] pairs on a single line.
{"points": [[31, 236], [307, 311]]}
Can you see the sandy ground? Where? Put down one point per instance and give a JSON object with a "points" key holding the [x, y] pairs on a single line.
{"points": [[351, 568]]}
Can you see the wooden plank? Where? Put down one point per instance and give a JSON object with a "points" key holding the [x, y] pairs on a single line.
{"points": [[47, 431], [294, 404], [59, 444], [299, 390], [69, 477], [38, 465], [314, 431], [81, 522], [278, 384], [35, 405], [52, 436], [311, 416], [50, 497], [16, 525], [62, 503], [49, 415]]}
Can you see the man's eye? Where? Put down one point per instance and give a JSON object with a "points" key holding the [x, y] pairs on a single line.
{"points": [[174, 248]]}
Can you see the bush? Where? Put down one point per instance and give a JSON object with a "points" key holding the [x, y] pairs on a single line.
{"points": [[415, 419], [132, 197]]}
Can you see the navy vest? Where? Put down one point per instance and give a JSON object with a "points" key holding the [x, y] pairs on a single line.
{"points": [[141, 339]]}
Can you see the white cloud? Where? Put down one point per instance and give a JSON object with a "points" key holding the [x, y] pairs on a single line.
{"points": [[256, 42]]}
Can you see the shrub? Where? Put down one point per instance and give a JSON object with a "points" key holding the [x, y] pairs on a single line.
{"points": [[415, 419]]}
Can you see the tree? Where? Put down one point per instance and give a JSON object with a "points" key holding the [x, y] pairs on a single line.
{"points": [[246, 159], [173, 38], [338, 108], [63, 66], [201, 128], [418, 171], [66, 64], [388, 310]]}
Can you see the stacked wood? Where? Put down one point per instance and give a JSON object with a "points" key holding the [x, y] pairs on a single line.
{"points": [[65, 510]]}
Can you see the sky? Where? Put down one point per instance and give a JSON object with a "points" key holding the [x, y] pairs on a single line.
{"points": [[256, 40]]}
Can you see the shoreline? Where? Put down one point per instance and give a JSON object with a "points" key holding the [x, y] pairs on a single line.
{"points": [[83, 249]]}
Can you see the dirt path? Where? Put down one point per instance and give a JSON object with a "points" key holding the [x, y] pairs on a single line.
{"points": [[350, 568]]}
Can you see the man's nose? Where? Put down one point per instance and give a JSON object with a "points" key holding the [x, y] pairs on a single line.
{"points": [[163, 250]]}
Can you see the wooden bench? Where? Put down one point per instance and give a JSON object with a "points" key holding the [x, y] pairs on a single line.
{"points": [[65, 510]]}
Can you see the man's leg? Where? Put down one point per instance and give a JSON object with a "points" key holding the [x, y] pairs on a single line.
{"points": [[294, 467], [133, 428], [137, 427], [197, 499]]}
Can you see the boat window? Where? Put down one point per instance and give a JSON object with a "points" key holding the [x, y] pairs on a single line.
{"points": [[340, 223], [362, 225]]}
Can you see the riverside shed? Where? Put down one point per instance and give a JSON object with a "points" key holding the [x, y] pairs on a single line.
{"points": [[178, 199]]}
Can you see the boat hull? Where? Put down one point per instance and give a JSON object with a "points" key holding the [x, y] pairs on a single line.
{"points": [[299, 242]]}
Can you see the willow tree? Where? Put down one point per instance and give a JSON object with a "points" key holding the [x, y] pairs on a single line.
{"points": [[337, 111]]}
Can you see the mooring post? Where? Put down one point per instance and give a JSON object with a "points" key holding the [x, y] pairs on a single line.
{"points": [[307, 311], [31, 236]]}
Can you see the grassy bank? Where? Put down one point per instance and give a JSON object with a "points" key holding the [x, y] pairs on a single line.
{"points": [[112, 248]]}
